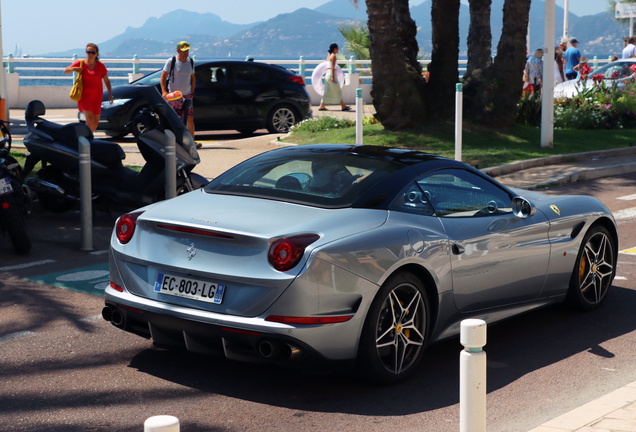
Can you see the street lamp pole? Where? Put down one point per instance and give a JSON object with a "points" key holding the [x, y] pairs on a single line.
{"points": [[566, 13], [547, 91]]}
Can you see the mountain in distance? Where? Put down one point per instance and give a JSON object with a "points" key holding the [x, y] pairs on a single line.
{"points": [[170, 27], [309, 32]]}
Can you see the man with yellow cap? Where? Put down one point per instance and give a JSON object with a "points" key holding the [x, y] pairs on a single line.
{"points": [[179, 74]]}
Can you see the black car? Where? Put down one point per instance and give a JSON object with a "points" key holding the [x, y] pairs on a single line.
{"points": [[239, 95]]}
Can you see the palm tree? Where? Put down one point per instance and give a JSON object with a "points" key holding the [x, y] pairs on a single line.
{"points": [[357, 40]]}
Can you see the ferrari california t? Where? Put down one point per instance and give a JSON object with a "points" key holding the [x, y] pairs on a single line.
{"points": [[350, 256]]}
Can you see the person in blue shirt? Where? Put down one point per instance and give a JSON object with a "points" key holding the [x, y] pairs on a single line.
{"points": [[572, 57]]}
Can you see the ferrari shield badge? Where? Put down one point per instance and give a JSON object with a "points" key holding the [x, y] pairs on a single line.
{"points": [[555, 209], [191, 251]]}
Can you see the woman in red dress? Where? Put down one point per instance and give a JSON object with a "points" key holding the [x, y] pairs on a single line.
{"points": [[93, 72]]}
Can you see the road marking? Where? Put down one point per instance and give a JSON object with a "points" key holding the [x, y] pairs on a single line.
{"points": [[630, 251], [25, 265], [18, 335], [91, 280], [625, 214], [627, 197], [101, 252], [620, 278]]}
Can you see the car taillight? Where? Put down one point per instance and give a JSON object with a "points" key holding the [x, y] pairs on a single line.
{"points": [[297, 79], [285, 253], [308, 320], [125, 227]]}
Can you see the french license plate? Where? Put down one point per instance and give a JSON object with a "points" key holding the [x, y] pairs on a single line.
{"points": [[5, 186], [189, 288]]}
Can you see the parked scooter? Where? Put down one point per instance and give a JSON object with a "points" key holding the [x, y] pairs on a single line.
{"points": [[15, 197], [56, 146]]}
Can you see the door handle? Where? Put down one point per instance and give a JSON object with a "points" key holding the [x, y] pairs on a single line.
{"points": [[458, 249]]}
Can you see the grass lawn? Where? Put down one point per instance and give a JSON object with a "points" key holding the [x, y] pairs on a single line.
{"points": [[480, 146]]}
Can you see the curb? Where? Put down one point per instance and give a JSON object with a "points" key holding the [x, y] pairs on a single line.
{"points": [[588, 174], [553, 160]]}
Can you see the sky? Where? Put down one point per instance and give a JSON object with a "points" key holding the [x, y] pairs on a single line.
{"points": [[42, 26]]}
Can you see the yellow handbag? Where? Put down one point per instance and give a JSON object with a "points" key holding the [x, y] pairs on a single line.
{"points": [[76, 91]]}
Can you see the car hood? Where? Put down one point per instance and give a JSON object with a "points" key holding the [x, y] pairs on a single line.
{"points": [[569, 88]]}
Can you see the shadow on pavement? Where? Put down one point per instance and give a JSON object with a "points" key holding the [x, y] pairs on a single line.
{"points": [[523, 345]]}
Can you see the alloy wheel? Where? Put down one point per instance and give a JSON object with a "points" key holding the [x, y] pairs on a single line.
{"points": [[596, 268]]}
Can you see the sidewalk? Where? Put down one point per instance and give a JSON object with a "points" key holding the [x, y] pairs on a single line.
{"points": [[615, 411]]}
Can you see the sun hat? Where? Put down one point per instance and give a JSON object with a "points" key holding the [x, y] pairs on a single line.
{"points": [[183, 46], [583, 59]]}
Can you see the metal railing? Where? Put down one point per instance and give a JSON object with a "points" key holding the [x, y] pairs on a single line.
{"points": [[301, 66]]}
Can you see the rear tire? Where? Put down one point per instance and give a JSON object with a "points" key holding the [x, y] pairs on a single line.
{"points": [[281, 119], [395, 331], [14, 225], [594, 270]]}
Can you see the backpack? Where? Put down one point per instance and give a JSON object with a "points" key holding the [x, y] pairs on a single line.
{"points": [[174, 61]]}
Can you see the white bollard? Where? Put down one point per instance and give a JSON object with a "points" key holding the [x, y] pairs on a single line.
{"points": [[359, 116], [162, 423], [86, 203], [472, 377], [459, 106], [171, 164]]}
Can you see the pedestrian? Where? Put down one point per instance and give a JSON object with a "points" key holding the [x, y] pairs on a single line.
{"points": [[333, 94], [559, 69], [93, 72], [535, 69], [630, 49], [572, 56], [583, 68], [179, 74]]}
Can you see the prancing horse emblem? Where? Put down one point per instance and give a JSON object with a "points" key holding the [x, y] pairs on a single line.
{"points": [[191, 251]]}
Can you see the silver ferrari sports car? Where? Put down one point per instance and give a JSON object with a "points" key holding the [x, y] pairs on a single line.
{"points": [[350, 256]]}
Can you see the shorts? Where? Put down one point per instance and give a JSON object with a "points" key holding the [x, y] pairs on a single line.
{"points": [[177, 105]]}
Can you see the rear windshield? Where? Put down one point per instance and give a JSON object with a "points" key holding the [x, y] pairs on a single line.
{"points": [[324, 179], [151, 79]]}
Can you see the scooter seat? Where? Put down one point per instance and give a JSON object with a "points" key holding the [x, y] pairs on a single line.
{"points": [[67, 134], [106, 152]]}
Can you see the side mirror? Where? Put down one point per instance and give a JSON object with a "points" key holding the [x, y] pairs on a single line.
{"points": [[522, 208]]}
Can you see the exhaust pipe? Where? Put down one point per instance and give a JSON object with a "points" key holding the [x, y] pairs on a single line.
{"points": [[28, 193], [117, 318], [290, 352], [107, 313], [266, 349]]}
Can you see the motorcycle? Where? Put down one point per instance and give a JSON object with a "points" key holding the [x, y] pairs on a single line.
{"points": [[15, 197], [56, 146]]}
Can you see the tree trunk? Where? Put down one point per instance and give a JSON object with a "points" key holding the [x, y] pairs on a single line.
{"points": [[445, 56], [398, 89], [479, 35], [491, 95], [407, 31]]}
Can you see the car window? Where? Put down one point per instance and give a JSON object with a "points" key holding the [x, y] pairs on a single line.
{"points": [[457, 193], [151, 79], [317, 179], [249, 74], [616, 71], [211, 75]]}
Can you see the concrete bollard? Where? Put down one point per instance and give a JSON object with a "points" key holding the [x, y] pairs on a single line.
{"points": [[359, 116], [472, 377], [86, 204], [459, 106], [161, 423], [301, 67], [135, 64], [170, 150]]}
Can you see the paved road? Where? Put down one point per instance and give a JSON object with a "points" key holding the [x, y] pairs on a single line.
{"points": [[65, 369]]}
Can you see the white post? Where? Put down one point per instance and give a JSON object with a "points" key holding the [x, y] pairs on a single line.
{"points": [[359, 116], [171, 164], [528, 39], [631, 26], [472, 377], [86, 202], [566, 12], [162, 423], [547, 90], [459, 102]]}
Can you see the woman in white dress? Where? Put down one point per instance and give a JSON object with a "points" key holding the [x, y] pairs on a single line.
{"points": [[332, 95], [559, 73]]}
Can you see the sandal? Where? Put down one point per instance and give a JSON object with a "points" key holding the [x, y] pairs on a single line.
{"points": [[323, 109], [347, 108]]}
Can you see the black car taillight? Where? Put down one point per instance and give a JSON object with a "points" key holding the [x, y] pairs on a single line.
{"points": [[125, 227], [297, 79], [285, 253]]}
